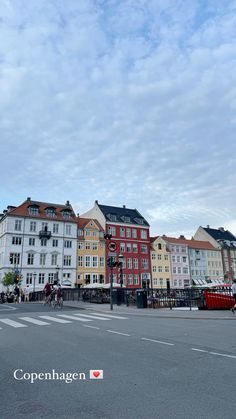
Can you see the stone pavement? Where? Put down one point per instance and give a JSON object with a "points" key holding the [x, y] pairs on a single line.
{"points": [[181, 313]]}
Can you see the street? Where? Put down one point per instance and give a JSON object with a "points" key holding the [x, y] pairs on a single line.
{"points": [[153, 367]]}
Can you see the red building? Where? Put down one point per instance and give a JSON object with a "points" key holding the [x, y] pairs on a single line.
{"points": [[130, 233]]}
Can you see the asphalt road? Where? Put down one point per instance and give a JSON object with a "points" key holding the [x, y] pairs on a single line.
{"points": [[152, 367]]}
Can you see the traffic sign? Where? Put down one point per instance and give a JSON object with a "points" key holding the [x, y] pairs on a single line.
{"points": [[112, 246]]}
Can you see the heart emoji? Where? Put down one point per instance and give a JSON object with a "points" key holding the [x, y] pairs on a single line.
{"points": [[96, 374]]}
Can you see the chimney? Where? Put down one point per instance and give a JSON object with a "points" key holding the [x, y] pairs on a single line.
{"points": [[221, 229], [77, 214], [96, 201], [124, 206], [181, 237], [208, 226], [10, 208], [28, 199]]}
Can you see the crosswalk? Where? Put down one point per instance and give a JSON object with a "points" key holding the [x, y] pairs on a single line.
{"points": [[47, 320]]}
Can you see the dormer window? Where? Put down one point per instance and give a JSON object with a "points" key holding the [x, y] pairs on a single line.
{"points": [[66, 213], [51, 212], [126, 219], [33, 210], [112, 217], [139, 220]]}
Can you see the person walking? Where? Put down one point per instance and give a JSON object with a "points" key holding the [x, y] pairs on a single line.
{"points": [[234, 295]]}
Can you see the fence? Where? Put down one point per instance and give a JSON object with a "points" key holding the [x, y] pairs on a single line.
{"points": [[156, 298]]}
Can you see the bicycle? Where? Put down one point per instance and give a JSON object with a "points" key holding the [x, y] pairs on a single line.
{"points": [[58, 303], [48, 300]]}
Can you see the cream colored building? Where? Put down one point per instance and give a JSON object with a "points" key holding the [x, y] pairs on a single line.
{"points": [[160, 264], [91, 263]]}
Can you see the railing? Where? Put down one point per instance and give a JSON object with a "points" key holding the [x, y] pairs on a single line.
{"points": [[44, 234]]}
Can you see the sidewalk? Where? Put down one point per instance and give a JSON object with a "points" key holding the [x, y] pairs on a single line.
{"points": [[176, 313]]}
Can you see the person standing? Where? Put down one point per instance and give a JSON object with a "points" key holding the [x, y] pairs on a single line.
{"points": [[234, 295]]}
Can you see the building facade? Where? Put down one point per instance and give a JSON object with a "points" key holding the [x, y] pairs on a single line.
{"points": [[160, 264], [226, 242], [130, 232], [38, 241], [91, 252]]}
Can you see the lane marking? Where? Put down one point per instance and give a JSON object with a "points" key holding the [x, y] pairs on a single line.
{"points": [[90, 317], [118, 333], [91, 327], [111, 316], [12, 323], [158, 341], [34, 321], [54, 319], [6, 308], [227, 356], [199, 350], [73, 318]]}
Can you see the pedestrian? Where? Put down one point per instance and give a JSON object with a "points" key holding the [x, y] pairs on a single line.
{"points": [[27, 293], [17, 293], [234, 295]]}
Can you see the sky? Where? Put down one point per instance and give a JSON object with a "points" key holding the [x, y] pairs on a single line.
{"points": [[128, 102]]}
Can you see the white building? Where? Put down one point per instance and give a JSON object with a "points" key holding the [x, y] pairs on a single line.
{"points": [[38, 241]]}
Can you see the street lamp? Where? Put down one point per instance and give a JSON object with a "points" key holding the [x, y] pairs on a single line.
{"points": [[57, 273], [34, 275], [120, 258]]}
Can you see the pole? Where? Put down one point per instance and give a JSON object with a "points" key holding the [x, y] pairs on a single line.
{"points": [[111, 285]]}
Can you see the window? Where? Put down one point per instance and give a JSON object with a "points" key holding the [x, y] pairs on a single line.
{"points": [[184, 259], [66, 213], [136, 281], [159, 268], [95, 261], [159, 246], [68, 229], [154, 268], [135, 248], [134, 233], [51, 278], [87, 261], [177, 248], [50, 212], [80, 261], [153, 256], [33, 210], [112, 231], [18, 224], [95, 246], [173, 258], [102, 261], [143, 248], [174, 270], [178, 259], [129, 263], [130, 279], [14, 258], [87, 232], [166, 257], [135, 263], [144, 263], [159, 257], [55, 243], [128, 247], [29, 278], [55, 228], [87, 245], [126, 219], [30, 260], [54, 259], [95, 233], [67, 260], [183, 249], [179, 270], [112, 217], [32, 225], [31, 241], [68, 244], [17, 240], [122, 232], [80, 245], [41, 278], [122, 247], [43, 242], [80, 232], [128, 232], [42, 260], [44, 226], [143, 234]]}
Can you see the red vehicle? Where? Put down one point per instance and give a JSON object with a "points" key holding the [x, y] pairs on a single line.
{"points": [[219, 297]]}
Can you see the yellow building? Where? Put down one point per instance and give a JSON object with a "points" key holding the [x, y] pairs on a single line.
{"points": [[90, 252], [160, 264]]}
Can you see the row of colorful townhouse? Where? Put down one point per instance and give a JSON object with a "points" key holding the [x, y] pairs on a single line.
{"points": [[43, 242]]}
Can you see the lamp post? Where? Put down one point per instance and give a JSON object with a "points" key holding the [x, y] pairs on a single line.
{"points": [[111, 265], [57, 273], [34, 275]]}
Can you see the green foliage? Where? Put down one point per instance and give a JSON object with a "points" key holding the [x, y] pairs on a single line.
{"points": [[8, 279]]}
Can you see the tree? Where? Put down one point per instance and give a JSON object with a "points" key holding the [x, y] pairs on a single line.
{"points": [[8, 279]]}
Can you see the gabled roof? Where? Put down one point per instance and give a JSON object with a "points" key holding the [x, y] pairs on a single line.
{"points": [[122, 214], [220, 234], [192, 244], [23, 211], [83, 222]]}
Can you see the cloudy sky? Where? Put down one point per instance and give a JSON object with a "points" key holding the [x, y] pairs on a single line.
{"points": [[125, 101]]}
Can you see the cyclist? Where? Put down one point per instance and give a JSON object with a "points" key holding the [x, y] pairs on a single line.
{"points": [[47, 291]]}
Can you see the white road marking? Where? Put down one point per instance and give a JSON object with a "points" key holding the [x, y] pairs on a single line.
{"points": [[6, 307], [91, 327], [118, 333], [111, 316], [73, 318], [227, 356], [54, 319], [12, 323], [198, 350], [158, 341], [34, 321], [90, 317]]}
